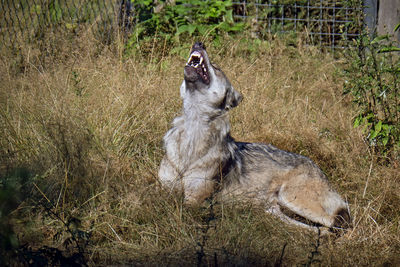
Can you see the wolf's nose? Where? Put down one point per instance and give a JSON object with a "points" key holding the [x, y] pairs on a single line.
{"points": [[199, 45]]}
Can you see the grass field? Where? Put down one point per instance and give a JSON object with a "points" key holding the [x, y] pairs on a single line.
{"points": [[81, 140]]}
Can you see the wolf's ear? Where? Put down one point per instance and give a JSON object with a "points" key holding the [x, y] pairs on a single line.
{"points": [[232, 98]]}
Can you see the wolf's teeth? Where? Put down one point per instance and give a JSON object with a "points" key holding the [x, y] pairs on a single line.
{"points": [[195, 59], [190, 59]]}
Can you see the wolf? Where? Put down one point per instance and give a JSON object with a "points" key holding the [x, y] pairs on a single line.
{"points": [[203, 160]]}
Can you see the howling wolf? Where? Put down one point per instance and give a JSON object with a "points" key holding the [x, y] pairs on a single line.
{"points": [[202, 159]]}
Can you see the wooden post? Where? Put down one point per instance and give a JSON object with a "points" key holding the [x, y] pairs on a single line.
{"points": [[388, 17]]}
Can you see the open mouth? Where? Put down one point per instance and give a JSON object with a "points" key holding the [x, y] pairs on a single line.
{"points": [[196, 61]]}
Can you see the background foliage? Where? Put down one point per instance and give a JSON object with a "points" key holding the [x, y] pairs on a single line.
{"points": [[327, 23], [373, 80]]}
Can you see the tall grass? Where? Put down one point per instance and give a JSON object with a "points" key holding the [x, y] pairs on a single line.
{"points": [[88, 125]]}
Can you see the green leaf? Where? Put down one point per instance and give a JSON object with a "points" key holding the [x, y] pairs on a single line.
{"points": [[378, 127], [203, 29], [229, 16], [386, 127], [373, 135], [385, 140], [192, 28], [389, 49], [380, 38], [397, 27], [225, 26], [186, 28], [357, 122]]}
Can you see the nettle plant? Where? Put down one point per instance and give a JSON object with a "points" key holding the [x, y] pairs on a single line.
{"points": [[373, 79], [181, 18]]}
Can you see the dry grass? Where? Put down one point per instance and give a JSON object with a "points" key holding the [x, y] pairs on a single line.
{"points": [[89, 126]]}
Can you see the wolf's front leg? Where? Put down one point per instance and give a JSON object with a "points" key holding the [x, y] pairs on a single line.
{"points": [[198, 189]]}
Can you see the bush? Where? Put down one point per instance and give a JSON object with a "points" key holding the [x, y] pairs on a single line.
{"points": [[373, 81], [181, 19]]}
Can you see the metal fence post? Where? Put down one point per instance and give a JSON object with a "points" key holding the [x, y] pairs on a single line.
{"points": [[371, 15]]}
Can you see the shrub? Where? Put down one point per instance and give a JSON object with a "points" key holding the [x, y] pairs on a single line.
{"points": [[373, 81], [184, 18]]}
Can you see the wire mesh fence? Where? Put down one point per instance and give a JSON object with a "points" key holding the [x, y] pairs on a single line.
{"points": [[27, 20], [326, 23]]}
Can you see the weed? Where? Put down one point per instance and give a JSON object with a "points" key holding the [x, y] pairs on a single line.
{"points": [[372, 78], [13, 191], [182, 19], [74, 242]]}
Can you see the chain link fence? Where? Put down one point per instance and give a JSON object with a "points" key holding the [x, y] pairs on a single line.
{"points": [[325, 23]]}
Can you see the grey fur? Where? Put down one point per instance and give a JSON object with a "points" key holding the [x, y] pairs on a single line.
{"points": [[203, 159]]}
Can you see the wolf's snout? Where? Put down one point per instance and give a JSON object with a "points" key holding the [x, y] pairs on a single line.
{"points": [[196, 68]]}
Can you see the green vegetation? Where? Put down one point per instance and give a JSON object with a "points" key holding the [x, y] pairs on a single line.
{"points": [[373, 80], [176, 23], [192, 17]]}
